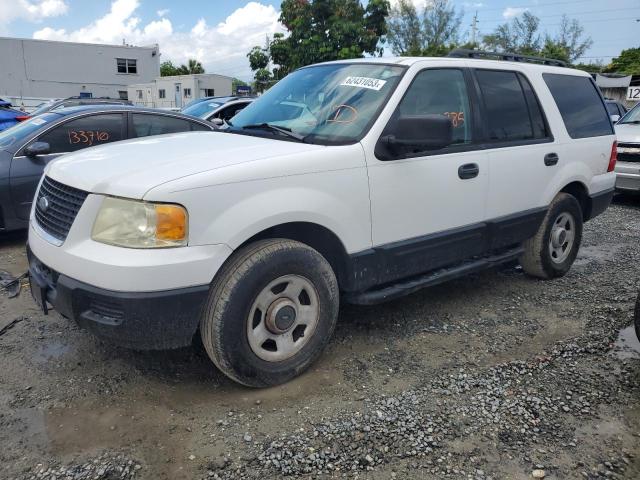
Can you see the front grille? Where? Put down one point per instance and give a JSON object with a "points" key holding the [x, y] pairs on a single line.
{"points": [[627, 156], [57, 206]]}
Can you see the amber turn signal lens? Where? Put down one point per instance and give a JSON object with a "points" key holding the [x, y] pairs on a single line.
{"points": [[171, 223]]}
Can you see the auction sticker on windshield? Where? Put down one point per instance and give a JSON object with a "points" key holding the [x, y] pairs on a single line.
{"points": [[364, 82]]}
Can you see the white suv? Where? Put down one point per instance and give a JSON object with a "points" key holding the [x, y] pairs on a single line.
{"points": [[358, 180]]}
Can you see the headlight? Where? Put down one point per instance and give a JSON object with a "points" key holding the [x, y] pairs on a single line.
{"points": [[136, 224]]}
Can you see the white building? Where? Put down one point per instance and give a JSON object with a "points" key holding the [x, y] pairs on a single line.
{"points": [[176, 91], [32, 70]]}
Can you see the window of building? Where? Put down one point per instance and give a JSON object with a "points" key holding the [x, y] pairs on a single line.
{"points": [[84, 132], [209, 92], [508, 115], [187, 93], [139, 93], [127, 65], [162, 93], [123, 95], [580, 105]]}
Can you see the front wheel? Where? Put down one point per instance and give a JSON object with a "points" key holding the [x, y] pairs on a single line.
{"points": [[271, 311], [551, 252]]}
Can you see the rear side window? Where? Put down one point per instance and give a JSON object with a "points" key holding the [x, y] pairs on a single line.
{"points": [[144, 125], [580, 105], [513, 112]]}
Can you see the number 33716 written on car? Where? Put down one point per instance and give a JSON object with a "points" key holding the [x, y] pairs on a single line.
{"points": [[88, 137]]}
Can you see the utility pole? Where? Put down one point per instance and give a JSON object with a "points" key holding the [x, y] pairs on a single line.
{"points": [[474, 28]]}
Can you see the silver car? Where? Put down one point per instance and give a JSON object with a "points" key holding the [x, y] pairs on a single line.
{"points": [[628, 166]]}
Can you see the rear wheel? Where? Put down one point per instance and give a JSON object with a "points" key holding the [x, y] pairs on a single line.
{"points": [[553, 249], [270, 313]]}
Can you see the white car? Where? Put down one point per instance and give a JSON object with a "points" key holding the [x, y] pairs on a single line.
{"points": [[628, 166], [359, 180]]}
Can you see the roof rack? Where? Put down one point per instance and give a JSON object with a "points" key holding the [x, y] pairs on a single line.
{"points": [[510, 57]]}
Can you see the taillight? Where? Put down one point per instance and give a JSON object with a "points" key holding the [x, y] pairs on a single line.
{"points": [[614, 157], [22, 119]]}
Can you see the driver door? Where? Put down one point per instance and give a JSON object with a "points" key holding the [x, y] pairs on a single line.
{"points": [[70, 136], [428, 207]]}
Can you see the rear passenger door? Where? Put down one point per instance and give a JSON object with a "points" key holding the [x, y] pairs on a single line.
{"points": [[523, 155]]}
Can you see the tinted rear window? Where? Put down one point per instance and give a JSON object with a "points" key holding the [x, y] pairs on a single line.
{"points": [[580, 105], [512, 109]]}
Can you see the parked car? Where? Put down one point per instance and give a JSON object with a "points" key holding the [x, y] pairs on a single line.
{"points": [[628, 166], [356, 181], [10, 116], [616, 109], [218, 110], [26, 149], [58, 103]]}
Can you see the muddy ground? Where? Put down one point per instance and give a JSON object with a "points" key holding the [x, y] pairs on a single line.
{"points": [[491, 376]]}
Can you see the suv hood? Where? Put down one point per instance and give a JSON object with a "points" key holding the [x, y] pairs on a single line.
{"points": [[627, 133], [131, 168]]}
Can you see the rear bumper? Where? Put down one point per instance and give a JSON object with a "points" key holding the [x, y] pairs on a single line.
{"points": [[139, 320], [598, 203], [628, 176]]}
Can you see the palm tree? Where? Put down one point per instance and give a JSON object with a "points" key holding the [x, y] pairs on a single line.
{"points": [[193, 66]]}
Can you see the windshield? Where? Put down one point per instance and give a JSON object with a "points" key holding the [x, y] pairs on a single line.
{"points": [[325, 104], [202, 109], [632, 116], [22, 130]]}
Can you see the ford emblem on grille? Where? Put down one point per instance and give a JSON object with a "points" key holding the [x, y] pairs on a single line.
{"points": [[43, 203]]}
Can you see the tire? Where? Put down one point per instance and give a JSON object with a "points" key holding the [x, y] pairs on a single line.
{"points": [[545, 255], [252, 327]]}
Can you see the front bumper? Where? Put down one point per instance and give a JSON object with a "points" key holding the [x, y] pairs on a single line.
{"points": [[628, 176], [139, 320]]}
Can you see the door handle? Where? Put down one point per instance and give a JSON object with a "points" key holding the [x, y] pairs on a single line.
{"points": [[468, 170], [551, 159]]}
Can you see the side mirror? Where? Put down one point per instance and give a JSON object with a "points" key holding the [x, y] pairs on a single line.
{"points": [[218, 122], [37, 148], [615, 118], [422, 132]]}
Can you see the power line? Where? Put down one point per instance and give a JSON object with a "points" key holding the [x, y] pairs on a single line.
{"points": [[573, 14], [539, 5]]}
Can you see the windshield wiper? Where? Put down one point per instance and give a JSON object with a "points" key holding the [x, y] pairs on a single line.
{"points": [[282, 130], [634, 122]]}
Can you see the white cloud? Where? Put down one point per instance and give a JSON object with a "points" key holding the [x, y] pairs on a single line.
{"points": [[163, 13], [29, 10], [473, 4], [511, 12], [221, 48]]}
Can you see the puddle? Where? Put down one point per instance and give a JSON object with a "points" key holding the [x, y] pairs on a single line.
{"points": [[627, 344], [51, 351]]}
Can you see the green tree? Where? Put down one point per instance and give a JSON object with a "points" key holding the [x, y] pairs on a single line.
{"points": [[571, 38], [627, 62], [520, 35], [168, 69], [319, 31], [433, 31], [192, 67], [594, 67]]}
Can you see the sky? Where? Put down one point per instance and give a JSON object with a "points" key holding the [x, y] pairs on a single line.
{"points": [[219, 33]]}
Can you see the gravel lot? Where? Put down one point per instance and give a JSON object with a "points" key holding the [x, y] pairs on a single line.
{"points": [[492, 376]]}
